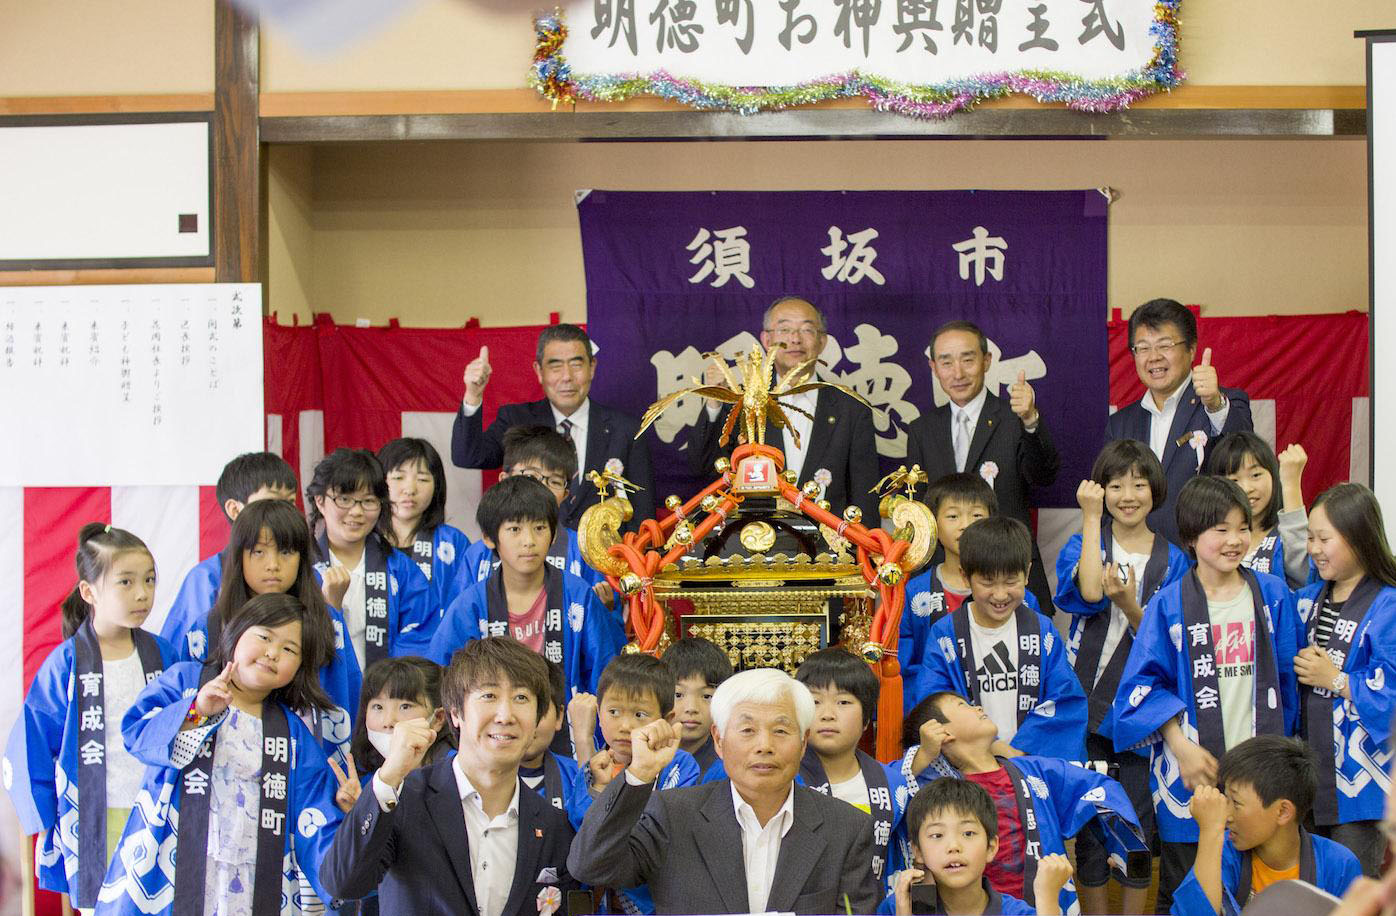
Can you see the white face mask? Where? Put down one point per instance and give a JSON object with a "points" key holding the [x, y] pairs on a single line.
{"points": [[381, 741]]}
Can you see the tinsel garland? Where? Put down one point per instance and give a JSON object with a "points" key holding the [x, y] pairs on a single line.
{"points": [[553, 78]]}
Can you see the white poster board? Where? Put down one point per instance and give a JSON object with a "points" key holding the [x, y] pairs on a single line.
{"points": [[96, 195], [128, 385], [1381, 125]]}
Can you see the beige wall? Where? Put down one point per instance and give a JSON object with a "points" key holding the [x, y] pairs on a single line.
{"points": [[104, 47], [435, 233]]}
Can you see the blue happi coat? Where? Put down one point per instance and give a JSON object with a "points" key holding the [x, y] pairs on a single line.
{"points": [[1335, 867], [186, 625], [1364, 722], [40, 767], [1067, 798], [681, 772], [1006, 905], [412, 619], [450, 569], [919, 614], [141, 876], [1055, 725], [1157, 686], [1068, 598], [590, 636], [186, 628]]}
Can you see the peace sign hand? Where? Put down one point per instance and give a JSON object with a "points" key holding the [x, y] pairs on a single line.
{"points": [[349, 786], [217, 694]]}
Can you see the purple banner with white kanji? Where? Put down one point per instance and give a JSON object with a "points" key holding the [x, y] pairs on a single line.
{"points": [[672, 275]]}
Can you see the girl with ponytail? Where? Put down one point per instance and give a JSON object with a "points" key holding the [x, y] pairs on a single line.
{"points": [[66, 767]]}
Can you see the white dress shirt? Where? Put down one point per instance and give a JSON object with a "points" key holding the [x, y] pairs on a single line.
{"points": [[580, 418], [355, 617], [795, 454], [964, 420], [1161, 418], [761, 847], [493, 842]]}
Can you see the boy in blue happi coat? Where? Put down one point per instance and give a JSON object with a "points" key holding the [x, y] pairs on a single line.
{"points": [[549, 457], [955, 830], [245, 479], [1003, 656], [1252, 836], [634, 690], [550, 611], [1041, 802], [1211, 665], [958, 501], [1105, 591], [699, 666], [552, 774], [845, 692]]}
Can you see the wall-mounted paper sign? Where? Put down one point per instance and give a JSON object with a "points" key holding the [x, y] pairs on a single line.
{"points": [[926, 58], [154, 385]]}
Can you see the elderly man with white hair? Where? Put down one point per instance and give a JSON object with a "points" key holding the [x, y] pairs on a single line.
{"points": [[752, 843]]}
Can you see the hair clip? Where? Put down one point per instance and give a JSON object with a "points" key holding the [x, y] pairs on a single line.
{"points": [[107, 530]]}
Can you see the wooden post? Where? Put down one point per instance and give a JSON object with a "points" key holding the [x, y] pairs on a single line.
{"points": [[237, 182]]}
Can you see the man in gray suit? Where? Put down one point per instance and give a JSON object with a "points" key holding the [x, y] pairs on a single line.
{"points": [[752, 843]]}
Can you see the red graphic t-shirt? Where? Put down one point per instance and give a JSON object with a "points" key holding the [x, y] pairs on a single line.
{"points": [[527, 627], [1005, 873]]}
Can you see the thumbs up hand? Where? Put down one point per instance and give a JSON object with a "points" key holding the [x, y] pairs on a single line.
{"points": [[1204, 382], [1023, 401], [477, 376]]}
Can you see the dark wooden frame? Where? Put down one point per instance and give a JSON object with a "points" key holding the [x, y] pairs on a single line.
{"points": [[79, 120]]}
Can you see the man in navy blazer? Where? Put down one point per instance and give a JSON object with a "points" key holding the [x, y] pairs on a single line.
{"points": [[565, 365], [1185, 410], [1004, 441], [839, 439], [464, 835]]}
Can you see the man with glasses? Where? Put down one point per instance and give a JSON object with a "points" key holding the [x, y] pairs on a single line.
{"points": [[1004, 441], [835, 431], [564, 364], [1185, 410]]}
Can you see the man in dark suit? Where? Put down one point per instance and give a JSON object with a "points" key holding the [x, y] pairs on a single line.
{"points": [[1185, 410], [565, 365], [1005, 442], [463, 835], [752, 843], [840, 438]]}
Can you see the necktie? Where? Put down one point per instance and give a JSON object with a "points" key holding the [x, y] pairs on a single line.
{"points": [[564, 426], [962, 437]]}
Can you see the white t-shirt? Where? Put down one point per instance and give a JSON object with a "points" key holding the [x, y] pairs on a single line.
{"points": [[1119, 623], [122, 682], [996, 664], [1233, 642], [355, 617], [854, 791]]}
